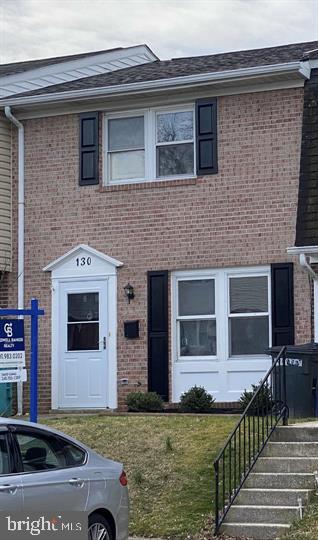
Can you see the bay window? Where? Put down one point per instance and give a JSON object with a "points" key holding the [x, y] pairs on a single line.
{"points": [[150, 144]]}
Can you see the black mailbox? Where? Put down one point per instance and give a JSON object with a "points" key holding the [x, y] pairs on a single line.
{"points": [[131, 329]]}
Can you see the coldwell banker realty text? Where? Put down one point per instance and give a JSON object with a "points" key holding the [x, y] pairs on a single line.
{"points": [[68, 526], [12, 351]]}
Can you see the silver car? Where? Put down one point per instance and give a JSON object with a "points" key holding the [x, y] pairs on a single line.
{"points": [[42, 469]]}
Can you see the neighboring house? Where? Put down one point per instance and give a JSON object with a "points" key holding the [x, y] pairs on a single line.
{"points": [[179, 178]]}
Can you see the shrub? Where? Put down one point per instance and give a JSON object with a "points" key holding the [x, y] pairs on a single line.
{"points": [[262, 403], [196, 399], [144, 402]]}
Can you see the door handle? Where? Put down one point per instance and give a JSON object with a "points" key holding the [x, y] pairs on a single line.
{"points": [[8, 488], [77, 482], [104, 342]]}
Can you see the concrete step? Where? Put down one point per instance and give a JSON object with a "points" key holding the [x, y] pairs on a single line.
{"points": [[291, 449], [259, 531], [273, 497], [280, 481], [286, 464], [295, 434], [262, 514]]}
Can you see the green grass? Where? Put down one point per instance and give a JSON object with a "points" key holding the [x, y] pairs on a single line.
{"points": [[307, 528], [169, 462]]}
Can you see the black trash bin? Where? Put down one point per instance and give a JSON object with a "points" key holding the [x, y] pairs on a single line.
{"points": [[301, 379]]}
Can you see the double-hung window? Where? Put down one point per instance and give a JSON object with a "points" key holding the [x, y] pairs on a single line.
{"points": [[153, 144], [126, 148], [174, 143], [248, 315], [196, 320]]}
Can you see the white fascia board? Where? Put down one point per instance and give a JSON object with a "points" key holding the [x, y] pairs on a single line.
{"points": [[299, 70], [74, 69], [86, 248], [140, 54], [299, 250]]}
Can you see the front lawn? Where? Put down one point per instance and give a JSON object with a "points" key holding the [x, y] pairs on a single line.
{"points": [[169, 461]]}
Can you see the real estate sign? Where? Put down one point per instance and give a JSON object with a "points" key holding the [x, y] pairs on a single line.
{"points": [[12, 348]]}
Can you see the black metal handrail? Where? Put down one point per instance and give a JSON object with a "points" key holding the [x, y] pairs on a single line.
{"points": [[266, 409]]}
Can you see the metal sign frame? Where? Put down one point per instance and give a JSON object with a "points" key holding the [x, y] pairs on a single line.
{"points": [[34, 312]]}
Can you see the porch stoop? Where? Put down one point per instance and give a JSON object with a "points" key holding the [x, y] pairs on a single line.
{"points": [[279, 486]]}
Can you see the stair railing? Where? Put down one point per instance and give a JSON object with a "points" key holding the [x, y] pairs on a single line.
{"points": [[263, 413]]}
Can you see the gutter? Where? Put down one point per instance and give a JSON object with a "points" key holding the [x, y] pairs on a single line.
{"points": [[301, 69], [20, 127]]}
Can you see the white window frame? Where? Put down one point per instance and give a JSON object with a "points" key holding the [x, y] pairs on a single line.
{"points": [[222, 280], [117, 116], [248, 315], [150, 133], [180, 318]]}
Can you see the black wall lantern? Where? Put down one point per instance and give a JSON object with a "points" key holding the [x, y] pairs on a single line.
{"points": [[129, 292]]}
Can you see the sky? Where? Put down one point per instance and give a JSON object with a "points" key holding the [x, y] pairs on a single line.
{"points": [[32, 29]]}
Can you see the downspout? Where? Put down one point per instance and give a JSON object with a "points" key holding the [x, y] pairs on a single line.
{"points": [[305, 264], [20, 127]]}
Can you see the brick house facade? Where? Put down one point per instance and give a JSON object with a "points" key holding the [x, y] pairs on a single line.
{"points": [[220, 233]]}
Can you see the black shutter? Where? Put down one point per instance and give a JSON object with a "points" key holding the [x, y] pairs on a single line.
{"points": [[88, 149], [206, 136], [282, 304], [158, 373]]}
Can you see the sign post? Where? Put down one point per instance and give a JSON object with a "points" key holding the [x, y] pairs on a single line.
{"points": [[12, 350]]}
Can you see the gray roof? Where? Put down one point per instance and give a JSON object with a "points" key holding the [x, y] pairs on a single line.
{"points": [[21, 67], [178, 67]]}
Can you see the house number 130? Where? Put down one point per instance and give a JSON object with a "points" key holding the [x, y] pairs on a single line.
{"points": [[83, 261]]}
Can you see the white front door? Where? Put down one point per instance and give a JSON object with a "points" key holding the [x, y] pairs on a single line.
{"points": [[83, 332]]}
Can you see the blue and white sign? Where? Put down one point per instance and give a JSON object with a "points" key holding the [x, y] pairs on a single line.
{"points": [[12, 348]]}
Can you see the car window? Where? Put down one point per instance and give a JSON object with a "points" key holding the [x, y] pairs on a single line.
{"points": [[4, 454], [74, 455], [40, 452]]}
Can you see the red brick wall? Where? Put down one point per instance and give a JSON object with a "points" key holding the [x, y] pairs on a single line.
{"points": [[244, 215]]}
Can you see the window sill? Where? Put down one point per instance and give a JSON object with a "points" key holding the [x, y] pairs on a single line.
{"points": [[176, 182]]}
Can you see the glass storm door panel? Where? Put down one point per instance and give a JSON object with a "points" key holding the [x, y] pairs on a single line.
{"points": [[83, 345]]}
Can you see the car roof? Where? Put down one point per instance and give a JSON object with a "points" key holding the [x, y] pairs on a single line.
{"points": [[15, 422]]}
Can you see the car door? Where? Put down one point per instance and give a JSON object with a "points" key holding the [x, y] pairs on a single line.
{"points": [[11, 495], [49, 480]]}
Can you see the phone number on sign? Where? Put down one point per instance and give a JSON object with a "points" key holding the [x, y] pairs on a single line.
{"points": [[12, 356]]}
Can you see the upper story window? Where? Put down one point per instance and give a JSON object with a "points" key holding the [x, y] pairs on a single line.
{"points": [[126, 148], [162, 143], [174, 144], [149, 145]]}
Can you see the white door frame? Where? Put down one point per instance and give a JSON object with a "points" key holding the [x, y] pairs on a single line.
{"points": [[102, 268]]}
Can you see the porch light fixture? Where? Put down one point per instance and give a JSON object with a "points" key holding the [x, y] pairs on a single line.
{"points": [[129, 292]]}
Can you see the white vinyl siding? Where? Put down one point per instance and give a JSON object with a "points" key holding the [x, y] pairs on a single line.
{"points": [[5, 195]]}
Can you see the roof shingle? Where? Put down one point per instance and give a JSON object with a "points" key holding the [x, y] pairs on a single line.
{"points": [[179, 67]]}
